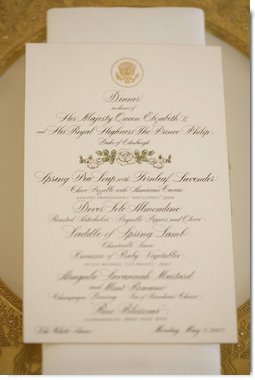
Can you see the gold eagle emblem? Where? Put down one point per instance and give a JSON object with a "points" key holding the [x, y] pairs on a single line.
{"points": [[127, 72]]}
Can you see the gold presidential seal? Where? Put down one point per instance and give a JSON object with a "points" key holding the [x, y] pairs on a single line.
{"points": [[127, 72]]}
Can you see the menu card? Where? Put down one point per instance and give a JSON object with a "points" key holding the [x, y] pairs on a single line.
{"points": [[127, 217], [171, 26]]}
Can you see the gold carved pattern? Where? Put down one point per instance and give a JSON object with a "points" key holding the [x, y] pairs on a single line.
{"points": [[16, 358], [10, 317], [25, 359], [235, 358], [24, 21]]}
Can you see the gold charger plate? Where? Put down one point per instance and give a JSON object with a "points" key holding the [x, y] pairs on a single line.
{"points": [[22, 21]]}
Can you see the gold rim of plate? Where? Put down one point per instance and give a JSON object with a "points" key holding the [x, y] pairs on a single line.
{"points": [[23, 21]]}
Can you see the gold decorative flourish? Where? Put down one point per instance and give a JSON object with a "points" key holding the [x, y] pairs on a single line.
{"points": [[24, 21]]}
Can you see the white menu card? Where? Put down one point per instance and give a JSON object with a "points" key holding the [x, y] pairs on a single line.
{"points": [[74, 25], [127, 217]]}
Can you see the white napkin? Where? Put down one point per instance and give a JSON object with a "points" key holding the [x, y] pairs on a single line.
{"points": [[182, 26], [131, 359], [174, 26]]}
